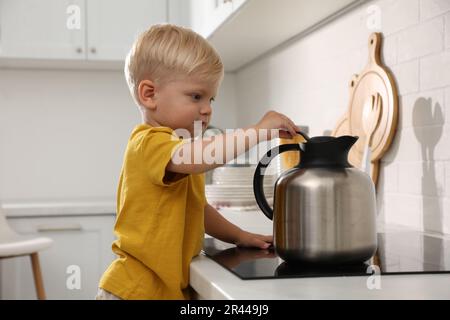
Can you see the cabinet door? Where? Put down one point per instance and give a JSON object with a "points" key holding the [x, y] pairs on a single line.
{"points": [[44, 29], [113, 25], [81, 251]]}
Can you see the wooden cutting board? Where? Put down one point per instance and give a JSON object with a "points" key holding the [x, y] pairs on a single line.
{"points": [[375, 81]]}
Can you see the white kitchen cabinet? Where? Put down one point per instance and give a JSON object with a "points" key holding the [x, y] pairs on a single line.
{"points": [[244, 30], [112, 26], [208, 15], [237, 4], [95, 30], [81, 243], [38, 29], [255, 27], [216, 12]]}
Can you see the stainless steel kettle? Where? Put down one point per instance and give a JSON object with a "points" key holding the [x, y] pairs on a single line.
{"points": [[324, 209]]}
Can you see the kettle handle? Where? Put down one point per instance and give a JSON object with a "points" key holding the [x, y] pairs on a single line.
{"points": [[258, 178]]}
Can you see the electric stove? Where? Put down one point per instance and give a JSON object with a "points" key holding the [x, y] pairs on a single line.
{"points": [[398, 253]]}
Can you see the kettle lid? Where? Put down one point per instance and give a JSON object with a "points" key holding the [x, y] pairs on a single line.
{"points": [[321, 139], [324, 151]]}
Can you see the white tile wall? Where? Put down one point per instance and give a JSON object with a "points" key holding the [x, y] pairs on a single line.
{"points": [[308, 80], [447, 30], [417, 41], [447, 104], [422, 178], [435, 71], [390, 51], [433, 8], [433, 214], [446, 216], [447, 180], [405, 147], [422, 109], [404, 209], [397, 15], [407, 77], [437, 141], [390, 174], [406, 183]]}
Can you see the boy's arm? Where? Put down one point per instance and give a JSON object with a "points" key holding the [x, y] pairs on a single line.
{"points": [[219, 227], [192, 153]]}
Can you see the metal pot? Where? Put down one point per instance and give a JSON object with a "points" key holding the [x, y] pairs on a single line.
{"points": [[324, 209]]}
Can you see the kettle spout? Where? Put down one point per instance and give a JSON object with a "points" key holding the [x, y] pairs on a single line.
{"points": [[346, 142]]}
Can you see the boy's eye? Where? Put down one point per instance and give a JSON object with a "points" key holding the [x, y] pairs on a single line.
{"points": [[196, 96]]}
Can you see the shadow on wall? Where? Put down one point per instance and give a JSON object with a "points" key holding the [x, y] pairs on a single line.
{"points": [[432, 209], [428, 126], [425, 112]]}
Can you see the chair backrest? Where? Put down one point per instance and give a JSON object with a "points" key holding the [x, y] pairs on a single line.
{"points": [[5, 229]]}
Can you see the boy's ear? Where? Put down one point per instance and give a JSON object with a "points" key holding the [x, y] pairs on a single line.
{"points": [[146, 94]]}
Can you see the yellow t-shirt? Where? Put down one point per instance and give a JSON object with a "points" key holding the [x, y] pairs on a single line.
{"points": [[160, 223]]}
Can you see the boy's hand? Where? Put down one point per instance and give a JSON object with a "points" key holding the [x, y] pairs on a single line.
{"points": [[275, 120], [247, 239]]}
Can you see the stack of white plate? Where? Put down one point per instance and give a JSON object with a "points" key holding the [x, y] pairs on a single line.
{"points": [[232, 187]]}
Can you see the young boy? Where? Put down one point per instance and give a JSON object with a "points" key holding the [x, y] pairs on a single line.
{"points": [[162, 213]]}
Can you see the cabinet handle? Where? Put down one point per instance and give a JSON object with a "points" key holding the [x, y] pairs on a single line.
{"points": [[53, 228], [93, 50], [79, 50]]}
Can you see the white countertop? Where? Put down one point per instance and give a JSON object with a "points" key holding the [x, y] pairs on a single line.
{"points": [[212, 281], [67, 208]]}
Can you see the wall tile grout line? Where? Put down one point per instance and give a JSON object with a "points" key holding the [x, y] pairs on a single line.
{"points": [[420, 78], [433, 17], [420, 11], [444, 101], [444, 33], [426, 56]]}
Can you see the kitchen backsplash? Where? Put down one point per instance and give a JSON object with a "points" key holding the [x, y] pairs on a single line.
{"points": [[308, 78]]}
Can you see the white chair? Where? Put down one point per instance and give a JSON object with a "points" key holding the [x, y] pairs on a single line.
{"points": [[15, 245]]}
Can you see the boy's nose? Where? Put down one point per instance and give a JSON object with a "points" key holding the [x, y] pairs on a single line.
{"points": [[206, 109]]}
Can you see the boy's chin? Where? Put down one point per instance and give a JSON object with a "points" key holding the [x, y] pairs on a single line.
{"points": [[195, 134], [198, 135], [190, 134]]}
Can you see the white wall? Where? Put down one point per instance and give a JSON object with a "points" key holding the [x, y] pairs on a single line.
{"points": [[308, 80], [224, 109], [63, 132]]}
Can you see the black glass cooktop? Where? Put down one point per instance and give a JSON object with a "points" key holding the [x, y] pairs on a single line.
{"points": [[398, 253]]}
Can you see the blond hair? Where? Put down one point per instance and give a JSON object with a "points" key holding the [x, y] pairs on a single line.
{"points": [[166, 51]]}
